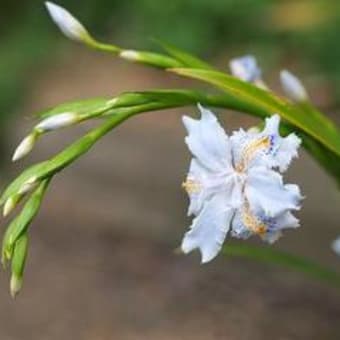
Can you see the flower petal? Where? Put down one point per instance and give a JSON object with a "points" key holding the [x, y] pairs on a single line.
{"points": [[283, 149], [245, 68], [266, 192], [271, 236], [208, 142], [202, 184], [209, 229], [238, 229], [266, 147]]}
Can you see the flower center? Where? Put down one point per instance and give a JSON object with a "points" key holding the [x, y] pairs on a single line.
{"points": [[251, 150], [252, 222]]}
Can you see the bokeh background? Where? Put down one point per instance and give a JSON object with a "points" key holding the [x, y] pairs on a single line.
{"points": [[102, 263]]}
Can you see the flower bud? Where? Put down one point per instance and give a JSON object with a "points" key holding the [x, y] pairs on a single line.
{"points": [[67, 23], [24, 147], [10, 204], [56, 122], [292, 87], [28, 186], [245, 68], [18, 264], [15, 285]]}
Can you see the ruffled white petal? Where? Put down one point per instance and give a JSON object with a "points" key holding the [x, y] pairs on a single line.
{"points": [[238, 229], [271, 236], [284, 149], [208, 142], [245, 68], [276, 225], [209, 229], [201, 184], [266, 192], [265, 148], [284, 221]]}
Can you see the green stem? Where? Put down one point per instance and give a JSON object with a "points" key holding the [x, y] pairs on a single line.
{"points": [[272, 256]]}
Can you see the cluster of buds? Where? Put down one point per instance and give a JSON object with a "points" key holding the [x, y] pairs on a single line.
{"points": [[247, 69], [48, 124]]}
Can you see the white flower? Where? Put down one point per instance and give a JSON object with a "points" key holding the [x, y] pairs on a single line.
{"points": [[293, 87], [57, 121], [245, 68], [234, 184], [67, 23]]}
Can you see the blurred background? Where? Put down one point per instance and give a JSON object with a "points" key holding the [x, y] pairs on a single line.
{"points": [[102, 263]]}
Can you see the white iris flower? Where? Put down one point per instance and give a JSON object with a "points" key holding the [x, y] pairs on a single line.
{"points": [[234, 184]]}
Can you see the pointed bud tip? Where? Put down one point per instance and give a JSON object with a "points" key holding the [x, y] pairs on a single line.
{"points": [[15, 285], [8, 206], [25, 147], [56, 122], [67, 23]]}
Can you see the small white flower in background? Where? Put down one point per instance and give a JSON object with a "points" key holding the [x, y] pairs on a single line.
{"points": [[234, 184], [336, 245], [67, 23], [293, 87], [246, 69], [57, 121]]}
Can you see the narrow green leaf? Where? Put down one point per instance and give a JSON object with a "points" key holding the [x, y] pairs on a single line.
{"points": [[81, 107], [272, 256], [324, 131], [18, 264], [48, 168], [21, 222], [19, 255], [185, 58]]}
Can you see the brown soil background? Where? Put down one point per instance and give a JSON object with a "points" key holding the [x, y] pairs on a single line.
{"points": [[102, 262]]}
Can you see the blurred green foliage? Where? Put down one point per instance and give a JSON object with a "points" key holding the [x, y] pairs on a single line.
{"points": [[277, 31]]}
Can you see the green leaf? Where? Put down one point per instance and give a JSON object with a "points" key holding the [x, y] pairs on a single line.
{"points": [[93, 105], [48, 168], [19, 255], [319, 127], [272, 256], [185, 58], [18, 263], [21, 222]]}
